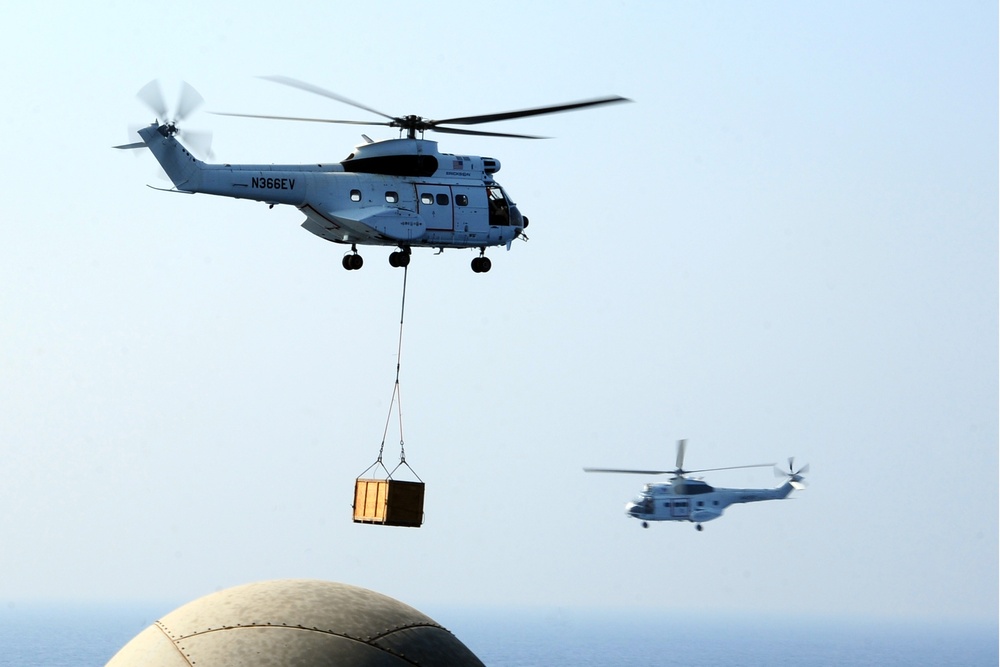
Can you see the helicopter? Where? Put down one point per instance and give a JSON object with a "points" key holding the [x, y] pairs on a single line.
{"points": [[686, 499], [401, 193]]}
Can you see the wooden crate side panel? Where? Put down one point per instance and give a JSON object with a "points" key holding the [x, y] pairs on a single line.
{"points": [[370, 498], [405, 506]]}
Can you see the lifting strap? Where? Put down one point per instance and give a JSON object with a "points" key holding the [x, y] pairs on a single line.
{"points": [[396, 401]]}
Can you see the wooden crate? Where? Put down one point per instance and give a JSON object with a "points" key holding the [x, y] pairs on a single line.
{"points": [[389, 502]]}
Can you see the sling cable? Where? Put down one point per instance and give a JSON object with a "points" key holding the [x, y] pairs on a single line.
{"points": [[389, 501]]}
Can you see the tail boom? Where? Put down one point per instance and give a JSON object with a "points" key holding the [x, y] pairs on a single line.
{"points": [[273, 184]]}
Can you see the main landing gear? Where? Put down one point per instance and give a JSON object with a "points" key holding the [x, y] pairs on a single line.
{"points": [[400, 258], [353, 261], [481, 264]]}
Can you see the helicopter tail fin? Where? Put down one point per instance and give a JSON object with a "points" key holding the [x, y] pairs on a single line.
{"points": [[181, 167]]}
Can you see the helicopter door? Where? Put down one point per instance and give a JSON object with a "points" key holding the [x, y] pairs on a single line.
{"points": [[435, 206], [471, 209], [680, 509]]}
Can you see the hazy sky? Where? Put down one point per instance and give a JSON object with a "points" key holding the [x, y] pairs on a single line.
{"points": [[787, 246]]}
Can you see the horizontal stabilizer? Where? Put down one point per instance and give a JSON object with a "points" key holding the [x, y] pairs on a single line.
{"points": [[183, 192], [138, 144]]}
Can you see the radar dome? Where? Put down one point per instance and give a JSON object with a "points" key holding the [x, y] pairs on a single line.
{"points": [[294, 622]]}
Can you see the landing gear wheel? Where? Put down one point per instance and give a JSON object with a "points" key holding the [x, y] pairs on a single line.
{"points": [[399, 258], [353, 262], [645, 525], [481, 264], [699, 527]]}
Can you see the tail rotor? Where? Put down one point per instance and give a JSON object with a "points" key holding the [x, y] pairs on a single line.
{"points": [[795, 477], [188, 101]]}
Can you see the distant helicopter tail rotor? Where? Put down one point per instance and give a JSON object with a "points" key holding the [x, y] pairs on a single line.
{"points": [[795, 477]]}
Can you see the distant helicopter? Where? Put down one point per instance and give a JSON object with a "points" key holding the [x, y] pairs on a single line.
{"points": [[398, 192], [684, 499]]}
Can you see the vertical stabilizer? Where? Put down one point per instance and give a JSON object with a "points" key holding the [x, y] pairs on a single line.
{"points": [[183, 169]]}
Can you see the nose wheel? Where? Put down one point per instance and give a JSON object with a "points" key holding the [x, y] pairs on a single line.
{"points": [[481, 264], [699, 527], [645, 524]]}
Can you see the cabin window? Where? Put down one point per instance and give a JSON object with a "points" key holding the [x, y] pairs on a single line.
{"points": [[391, 197], [426, 199], [355, 195], [442, 199], [462, 200]]}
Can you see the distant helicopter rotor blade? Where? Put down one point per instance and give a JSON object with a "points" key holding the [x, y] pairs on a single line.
{"points": [[316, 90], [629, 472], [754, 465], [681, 446], [536, 111]]}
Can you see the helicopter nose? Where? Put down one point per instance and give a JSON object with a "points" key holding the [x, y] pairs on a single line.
{"points": [[632, 509], [516, 219]]}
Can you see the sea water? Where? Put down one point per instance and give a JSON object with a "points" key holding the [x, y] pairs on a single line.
{"points": [[89, 636]]}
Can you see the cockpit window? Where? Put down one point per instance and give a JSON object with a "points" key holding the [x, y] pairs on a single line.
{"points": [[499, 210]]}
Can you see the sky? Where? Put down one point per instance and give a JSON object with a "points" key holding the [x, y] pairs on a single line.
{"points": [[786, 246]]}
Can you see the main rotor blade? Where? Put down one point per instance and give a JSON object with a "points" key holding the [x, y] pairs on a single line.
{"points": [[481, 133], [537, 111], [309, 120], [316, 90], [631, 472], [755, 465], [681, 446]]}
